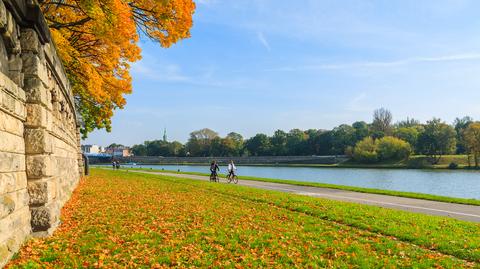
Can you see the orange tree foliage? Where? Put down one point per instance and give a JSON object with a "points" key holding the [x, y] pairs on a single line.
{"points": [[97, 41]]}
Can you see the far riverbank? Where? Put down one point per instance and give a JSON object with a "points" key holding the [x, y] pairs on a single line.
{"points": [[414, 162]]}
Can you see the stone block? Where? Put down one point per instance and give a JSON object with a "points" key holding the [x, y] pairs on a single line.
{"points": [[11, 162], [29, 41], [11, 143], [20, 109], [37, 141], [13, 201], [7, 205], [17, 238], [10, 124], [15, 64], [44, 217], [20, 93], [34, 67], [32, 83], [12, 181], [31, 64], [19, 219], [16, 76], [3, 15], [8, 102], [9, 86], [37, 116], [39, 166], [36, 92], [41, 191]]}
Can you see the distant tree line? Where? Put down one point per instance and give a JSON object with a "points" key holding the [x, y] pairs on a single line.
{"points": [[372, 142]]}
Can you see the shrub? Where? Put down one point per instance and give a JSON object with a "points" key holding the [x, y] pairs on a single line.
{"points": [[453, 165], [366, 151], [349, 151], [392, 148], [408, 134], [387, 148]]}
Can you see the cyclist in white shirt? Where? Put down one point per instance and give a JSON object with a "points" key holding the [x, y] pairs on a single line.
{"points": [[231, 169]]}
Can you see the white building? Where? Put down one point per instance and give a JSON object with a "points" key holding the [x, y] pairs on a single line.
{"points": [[92, 149]]}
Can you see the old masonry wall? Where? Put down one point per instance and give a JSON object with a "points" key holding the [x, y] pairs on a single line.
{"points": [[40, 159]]}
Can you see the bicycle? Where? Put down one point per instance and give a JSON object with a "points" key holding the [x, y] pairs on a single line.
{"points": [[232, 178], [214, 177]]}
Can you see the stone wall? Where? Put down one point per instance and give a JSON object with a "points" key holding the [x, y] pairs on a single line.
{"points": [[40, 160]]}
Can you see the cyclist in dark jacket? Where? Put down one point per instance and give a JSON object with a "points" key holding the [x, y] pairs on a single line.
{"points": [[213, 169]]}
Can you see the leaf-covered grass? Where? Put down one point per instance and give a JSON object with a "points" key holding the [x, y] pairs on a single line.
{"points": [[415, 195], [118, 219]]}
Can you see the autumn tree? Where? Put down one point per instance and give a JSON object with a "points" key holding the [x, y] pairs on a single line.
{"points": [[279, 143], [438, 139], [361, 130], [296, 142], [97, 41], [460, 125], [233, 144], [200, 142], [408, 134], [259, 145], [382, 122], [471, 136], [366, 151], [343, 136], [392, 148]]}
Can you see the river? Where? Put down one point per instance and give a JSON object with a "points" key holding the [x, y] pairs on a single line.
{"points": [[452, 183]]}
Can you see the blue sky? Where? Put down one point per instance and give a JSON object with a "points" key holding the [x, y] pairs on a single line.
{"points": [[255, 66]]}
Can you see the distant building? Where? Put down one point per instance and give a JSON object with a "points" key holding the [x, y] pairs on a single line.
{"points": [[92, 149], [118, 151]]}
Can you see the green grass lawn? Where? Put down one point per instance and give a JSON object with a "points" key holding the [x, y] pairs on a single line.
{"points": [[340, 187], [117, 219]]}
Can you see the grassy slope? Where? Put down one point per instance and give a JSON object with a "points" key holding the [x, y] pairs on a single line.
{"points": [[341, 187], [118, 219], [416, 161]]}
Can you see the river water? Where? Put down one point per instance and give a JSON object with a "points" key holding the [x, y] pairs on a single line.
{"points": [[453, 183]]}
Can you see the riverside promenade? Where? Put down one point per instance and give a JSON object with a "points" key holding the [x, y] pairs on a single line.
{"points": [[452, 210]]}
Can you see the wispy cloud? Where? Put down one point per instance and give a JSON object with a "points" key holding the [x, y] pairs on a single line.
{"points": [[377, 64], [359, 103], [205, 2], [263, 40], [173, 73], [166, 73]]}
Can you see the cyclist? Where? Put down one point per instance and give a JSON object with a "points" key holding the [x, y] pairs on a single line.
{"points": [[213, 169], [231, 169]]}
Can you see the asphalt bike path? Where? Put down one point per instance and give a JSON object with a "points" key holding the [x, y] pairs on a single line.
{"points": [[457, 211]]}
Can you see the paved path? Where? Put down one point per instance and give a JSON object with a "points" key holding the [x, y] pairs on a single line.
{"points": [[457, 211]]}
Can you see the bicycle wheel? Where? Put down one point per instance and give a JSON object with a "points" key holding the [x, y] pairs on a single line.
{"points": [[235, 179]]}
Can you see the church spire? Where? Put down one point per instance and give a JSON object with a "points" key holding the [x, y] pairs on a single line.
{"points": [[165, 134]]}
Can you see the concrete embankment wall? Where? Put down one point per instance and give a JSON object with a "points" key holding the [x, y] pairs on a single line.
{"points": [[40, 160], [238, 160]]}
